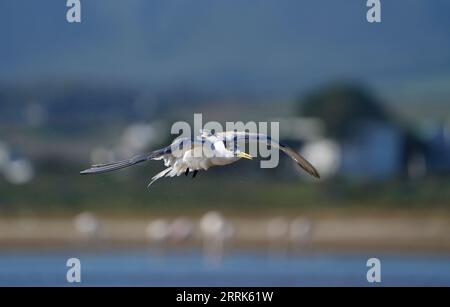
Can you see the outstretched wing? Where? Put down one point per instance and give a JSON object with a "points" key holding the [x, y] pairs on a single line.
{"points": [[231, 138], [109, 167], [174, 150]]}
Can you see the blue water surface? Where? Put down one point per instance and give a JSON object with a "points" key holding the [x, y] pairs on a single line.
{"points": [[146, 267]]}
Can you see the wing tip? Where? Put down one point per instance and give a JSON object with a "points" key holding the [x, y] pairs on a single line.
{"points": [[311, 170], [86, 172], [93, 170], [315, 174]]}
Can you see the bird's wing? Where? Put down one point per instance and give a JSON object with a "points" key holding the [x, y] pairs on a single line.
{"points": [[177, 148], [232, 138], [103, 168]]}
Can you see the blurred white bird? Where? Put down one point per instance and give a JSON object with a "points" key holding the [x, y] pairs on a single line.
{"points": [[209, 149]]}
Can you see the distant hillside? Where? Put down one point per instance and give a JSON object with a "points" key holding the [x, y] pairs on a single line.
{"points": [[268, 48]]}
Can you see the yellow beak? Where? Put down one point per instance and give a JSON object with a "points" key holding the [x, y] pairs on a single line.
{"points": [[244, 155]]}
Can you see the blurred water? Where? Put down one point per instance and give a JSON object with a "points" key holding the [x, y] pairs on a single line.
{"points": [[143, 267]]}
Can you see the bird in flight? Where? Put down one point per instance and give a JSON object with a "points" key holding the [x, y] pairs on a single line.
{"points": [[210, 149]]}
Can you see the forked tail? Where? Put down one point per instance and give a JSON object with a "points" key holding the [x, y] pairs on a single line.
{"points": [[159, 175]]}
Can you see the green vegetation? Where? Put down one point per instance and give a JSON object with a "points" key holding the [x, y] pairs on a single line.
{"points": [[67, 192], [342, 107]]}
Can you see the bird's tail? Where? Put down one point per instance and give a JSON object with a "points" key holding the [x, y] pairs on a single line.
{"points": [[160, 175]]}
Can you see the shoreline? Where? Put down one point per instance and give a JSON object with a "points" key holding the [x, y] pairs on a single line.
{"points": [[307, 232]]}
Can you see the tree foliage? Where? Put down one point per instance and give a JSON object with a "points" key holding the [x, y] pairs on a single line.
{"points": [[342, 107]]}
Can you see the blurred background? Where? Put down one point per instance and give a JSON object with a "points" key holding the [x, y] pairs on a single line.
{"points": [[367, 104]]}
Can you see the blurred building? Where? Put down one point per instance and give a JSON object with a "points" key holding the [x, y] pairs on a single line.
{"points": [[375, 151], [437, 151]]}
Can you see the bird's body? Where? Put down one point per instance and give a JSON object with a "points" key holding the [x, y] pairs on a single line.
{"points": [[186, 155]]}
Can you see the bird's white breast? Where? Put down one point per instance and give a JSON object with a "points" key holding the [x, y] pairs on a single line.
{"points": [[195, 159]]}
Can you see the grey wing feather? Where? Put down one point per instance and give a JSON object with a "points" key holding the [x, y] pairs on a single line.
{"points": [[103, 168], [177, 147], [231, 136], [302, 162]]}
